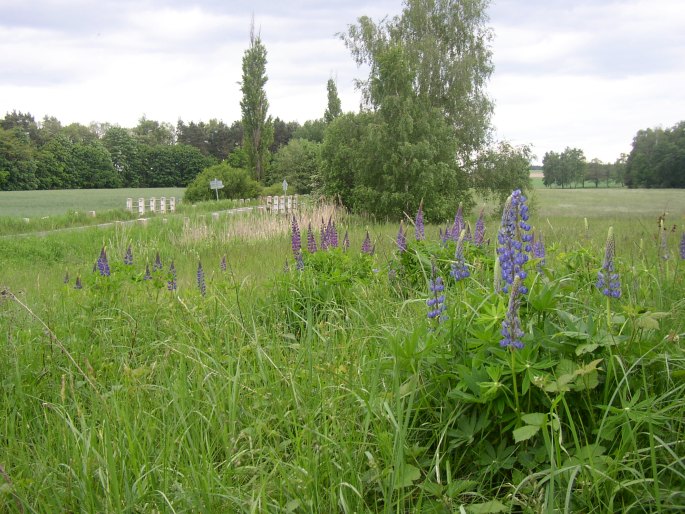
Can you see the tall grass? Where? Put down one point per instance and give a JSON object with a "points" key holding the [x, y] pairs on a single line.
{"points": [[329, 389]]}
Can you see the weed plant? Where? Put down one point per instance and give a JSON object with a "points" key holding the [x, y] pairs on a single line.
{"points": [[321, 381]]}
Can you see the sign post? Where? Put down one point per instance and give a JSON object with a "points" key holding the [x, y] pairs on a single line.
{"points": [[285, 187], [216, 184]]}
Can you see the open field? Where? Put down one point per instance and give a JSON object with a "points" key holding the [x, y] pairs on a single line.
{"points": [[29, 204], [329, 389]]}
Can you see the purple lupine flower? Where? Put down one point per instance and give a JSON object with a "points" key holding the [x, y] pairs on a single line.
{"points": [[346, 242], [479, 234], [66, 277], [331, 234], [157, 265], [366, 245], [147, 275], [458, 225], [201, 279], [223, 264], [459, 269], [419, 229], [538, 250], [311, 241], [511, 326], [468, 236], [171, 283], [514, 240], [444, 236], [682, 246], [78, 284], [128, 257], [103, 264], [608, 280], [295, 238], [401, 238], [436, 303], [324, 237]]}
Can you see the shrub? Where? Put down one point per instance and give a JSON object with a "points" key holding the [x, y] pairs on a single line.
{"points": [[237, 184]]}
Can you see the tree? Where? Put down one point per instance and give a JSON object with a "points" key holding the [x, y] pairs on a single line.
{"points": [[595, 171], [17, 163], [657, 158], [550, 168], [572, 166], [334, 109], [448, 59], [257, 126], [283, 133], [91, 165], [151, 132], [503, 169], [125, 152], [312, 130], [299, 163]]}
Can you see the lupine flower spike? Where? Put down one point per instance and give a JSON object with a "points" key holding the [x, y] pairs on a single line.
{"points": [[297, 244], [479, 234], [436, 303], [201, 279], [158, 263], [511, 326], [77, 284], [538, 248], [66, 277], [128, 257], [311, 242], [458, 225], [223, 264], [608, 281], [346, 242], [103, 264], [402, 238], [514, 240], [419, 229], [366, 245], [147, 275], [459, 269], [171, 283], [682, 246]]}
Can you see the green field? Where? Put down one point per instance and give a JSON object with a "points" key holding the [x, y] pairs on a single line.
{"points": [[329, 389], [29, 204]]}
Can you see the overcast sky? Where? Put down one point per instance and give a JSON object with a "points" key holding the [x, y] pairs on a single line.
{"points": [[580, 73]]}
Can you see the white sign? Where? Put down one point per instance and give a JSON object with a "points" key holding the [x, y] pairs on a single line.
{"points": [[216, 184], [285, 186]]}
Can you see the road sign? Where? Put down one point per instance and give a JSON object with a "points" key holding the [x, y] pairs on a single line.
{"points": [[216, 184], [285, 186]]}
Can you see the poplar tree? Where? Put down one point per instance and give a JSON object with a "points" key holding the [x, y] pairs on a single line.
{"points": [[257, 125], [334, 108]]}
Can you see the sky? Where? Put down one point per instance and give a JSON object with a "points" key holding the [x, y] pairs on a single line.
{"points": [[586, 74]]}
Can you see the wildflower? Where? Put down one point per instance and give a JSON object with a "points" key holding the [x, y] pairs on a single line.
{"points": [[66, 277], [538, 251], [78, 284], [311, 242], [402, 238], [157, 264], [419, 229], [468, 236], [458, 225], [436, 303], [514, 240], [103, 264], [223, 264], [295, 238], [608, 280], [147, 275], [128, 257], [479, 234], [682, 246], [511, 326], [331, 234], [171, 283], [346, 242], [201, 279], [459, 269], [366, 245]]}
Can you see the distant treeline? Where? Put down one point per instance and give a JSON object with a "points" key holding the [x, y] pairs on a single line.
{"points": [[657, 160], [48, 155]]}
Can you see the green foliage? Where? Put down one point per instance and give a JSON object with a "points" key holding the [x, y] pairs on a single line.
{"points": [[503, 169], [564, 169], [237, 184], [333, 109], [257, 125], [299, 162], [311, 130], [657, 158]]}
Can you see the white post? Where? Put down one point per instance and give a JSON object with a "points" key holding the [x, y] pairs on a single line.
{"points": [[290, 203], [162, 205], [282, 204], [129, 204], [141, 205], [268, 204], [295, 202], [152, 204], [172, 204]]}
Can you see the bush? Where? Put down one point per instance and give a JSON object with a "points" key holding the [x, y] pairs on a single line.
{"points": [[237, 184]]}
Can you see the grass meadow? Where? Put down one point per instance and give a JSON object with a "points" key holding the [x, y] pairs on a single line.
{"points": [[329, 388]]}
